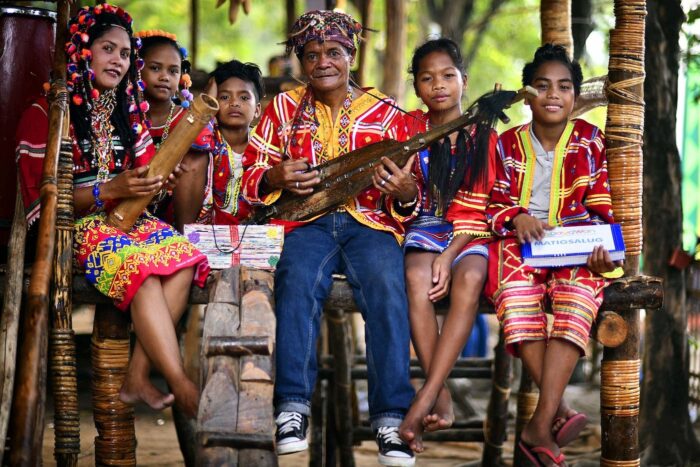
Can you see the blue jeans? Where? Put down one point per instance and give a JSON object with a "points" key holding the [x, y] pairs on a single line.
{"points": [[372, 260]]}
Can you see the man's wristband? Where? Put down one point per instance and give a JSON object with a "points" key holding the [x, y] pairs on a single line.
{"points": [[96, 194]]}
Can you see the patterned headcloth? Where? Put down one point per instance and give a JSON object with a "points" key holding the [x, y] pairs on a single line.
{"points": [[323, 25]]}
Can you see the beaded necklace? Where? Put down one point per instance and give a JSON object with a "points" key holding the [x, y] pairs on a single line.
{"points": [[233, 188], [102, 130], [168, 122]]}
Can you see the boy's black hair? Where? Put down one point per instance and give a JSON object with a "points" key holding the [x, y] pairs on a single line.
{"points": [[151, 42], [248, 72], [553, 53], [443, 44]]}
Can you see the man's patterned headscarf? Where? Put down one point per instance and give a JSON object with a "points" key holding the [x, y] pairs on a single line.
{"points": [[323, 25]]}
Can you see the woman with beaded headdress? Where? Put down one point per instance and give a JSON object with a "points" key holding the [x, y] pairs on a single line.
{"points": [[166, 76], [147, 270]]}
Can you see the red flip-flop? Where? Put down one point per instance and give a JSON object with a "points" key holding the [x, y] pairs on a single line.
{"points": [[531, 454], [570, 430]]}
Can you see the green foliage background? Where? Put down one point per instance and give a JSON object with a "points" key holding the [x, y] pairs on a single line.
{"points": [[508, 42]]}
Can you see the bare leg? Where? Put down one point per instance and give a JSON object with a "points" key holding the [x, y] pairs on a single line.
{"points": [[531, 353], [158, 343], [137, 385], [559, 361], [467, 282], [188, 195], [468, 279], [424, 332]]}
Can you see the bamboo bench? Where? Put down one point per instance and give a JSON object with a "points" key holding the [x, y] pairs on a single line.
{"points": [[334, 408]]}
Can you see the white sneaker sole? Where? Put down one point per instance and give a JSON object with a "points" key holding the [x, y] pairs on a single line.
{"points": [[396, 461], [291, 448]]}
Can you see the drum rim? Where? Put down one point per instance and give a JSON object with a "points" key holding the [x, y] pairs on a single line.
{"points": [[27, 11]]}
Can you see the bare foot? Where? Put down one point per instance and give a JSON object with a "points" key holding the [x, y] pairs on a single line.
{"points": [[564, 412], [411, 429], [442, 414], [541, 437], [133, 391], [186, 397]]}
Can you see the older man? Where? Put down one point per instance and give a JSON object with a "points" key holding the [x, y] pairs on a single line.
{"points": [[300, 129]]}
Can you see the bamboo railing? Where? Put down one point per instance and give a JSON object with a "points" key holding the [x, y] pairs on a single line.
{"points": [[27, 423], [624, 128]]}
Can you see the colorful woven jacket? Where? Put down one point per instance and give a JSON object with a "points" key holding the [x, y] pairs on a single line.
{"points": [[580, 193]]}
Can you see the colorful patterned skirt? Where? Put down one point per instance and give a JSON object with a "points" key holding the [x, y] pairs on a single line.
{"points": [[118, 263], [428, 233]]}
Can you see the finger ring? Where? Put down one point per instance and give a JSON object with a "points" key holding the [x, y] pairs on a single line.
{"points": [[383, 182], [297, 185], [388, 178]]}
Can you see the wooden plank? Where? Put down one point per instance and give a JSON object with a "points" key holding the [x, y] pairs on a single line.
{"points": [[218, 407]]}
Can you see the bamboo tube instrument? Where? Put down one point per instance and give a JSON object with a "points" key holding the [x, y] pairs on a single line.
{"points": [[203, 108]]}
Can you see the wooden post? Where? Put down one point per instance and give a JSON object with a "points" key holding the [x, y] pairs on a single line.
{"points": [[394, 65], [527, 402], [115, 443], [555, 18], [9, 321], [340, 344], [496, 424], [256, 384], [27, 424], [63, 375], [619, 392]]}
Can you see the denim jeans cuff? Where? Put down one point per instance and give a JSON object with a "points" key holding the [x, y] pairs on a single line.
{"points": [[297, 405], [385, 419]]}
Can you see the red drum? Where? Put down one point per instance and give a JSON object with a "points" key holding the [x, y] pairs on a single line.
{"points": [[27, 37]]}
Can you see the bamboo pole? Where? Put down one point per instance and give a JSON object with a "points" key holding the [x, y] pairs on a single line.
{"points": [[9, 322], [27, 424], [556, 23], [62, 354], [624, 128]]}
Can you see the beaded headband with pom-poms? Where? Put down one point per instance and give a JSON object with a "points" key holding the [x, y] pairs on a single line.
{"points": [[80, 76], [185, 80]]}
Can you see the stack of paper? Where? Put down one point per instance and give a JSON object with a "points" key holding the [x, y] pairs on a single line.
{"points": [[571, 246], [255, 246]]}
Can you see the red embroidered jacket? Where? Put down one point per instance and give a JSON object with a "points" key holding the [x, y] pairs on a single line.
{"points": [[467, 211], [580, 193], [297, 126]]}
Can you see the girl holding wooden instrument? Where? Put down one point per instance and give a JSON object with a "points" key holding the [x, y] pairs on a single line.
{"points": [[166, 75], [149, 269], [446, 243]]}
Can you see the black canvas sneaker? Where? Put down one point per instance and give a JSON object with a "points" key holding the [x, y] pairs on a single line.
{"points": [[393, 450], [291, 432]]}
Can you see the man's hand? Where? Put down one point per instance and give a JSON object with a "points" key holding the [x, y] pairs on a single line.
{"points": [[529, 228], [397, 182], [291, 175], [130, 184], [599, 261]]}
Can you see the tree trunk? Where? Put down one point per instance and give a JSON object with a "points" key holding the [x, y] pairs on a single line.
{"points": [[666, 431], [394, 62], [581, 25], [555, 18]]}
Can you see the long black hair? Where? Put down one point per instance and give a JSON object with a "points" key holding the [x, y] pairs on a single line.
{"points": [[467, 165], [121, 116]]}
